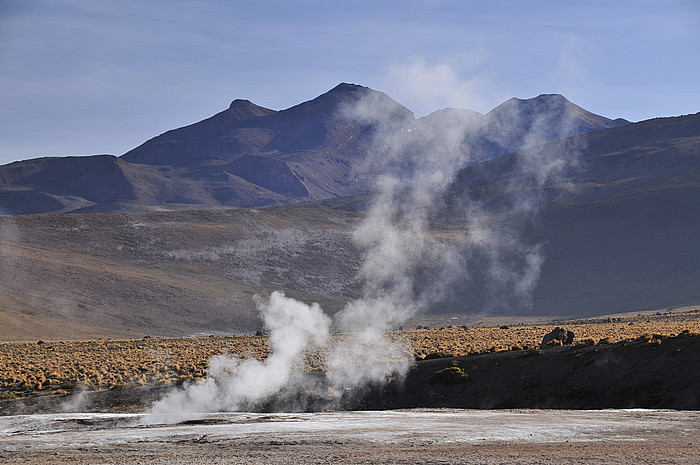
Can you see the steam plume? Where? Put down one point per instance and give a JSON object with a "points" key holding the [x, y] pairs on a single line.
{"points": [[406, 268], [235, 384]]}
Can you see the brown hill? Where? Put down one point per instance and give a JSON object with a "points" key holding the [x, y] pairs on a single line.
{"points": [[168, 273]]}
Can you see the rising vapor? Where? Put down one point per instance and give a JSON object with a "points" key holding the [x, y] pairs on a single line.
{"points": [[233, 384], [407, 269]]}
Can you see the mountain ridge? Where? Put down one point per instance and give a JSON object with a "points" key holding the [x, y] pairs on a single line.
{"points": [[550, 112], [251, 156]]}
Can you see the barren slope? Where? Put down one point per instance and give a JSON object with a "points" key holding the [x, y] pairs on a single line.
{"points": [[177, 273]]}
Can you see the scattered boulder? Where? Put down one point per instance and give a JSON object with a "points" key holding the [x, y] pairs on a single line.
{"points": [[558, 336]]}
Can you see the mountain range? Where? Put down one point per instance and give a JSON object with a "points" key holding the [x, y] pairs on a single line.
{"points": [[617, 231], [250, 156]]}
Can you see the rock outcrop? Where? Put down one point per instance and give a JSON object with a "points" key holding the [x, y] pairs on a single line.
{"points": [[558, 336]]}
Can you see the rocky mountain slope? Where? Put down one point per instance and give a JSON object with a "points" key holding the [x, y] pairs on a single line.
{"points": [[250, 156]]}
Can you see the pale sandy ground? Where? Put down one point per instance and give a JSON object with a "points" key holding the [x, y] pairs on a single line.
{"points": [[396, 437]]}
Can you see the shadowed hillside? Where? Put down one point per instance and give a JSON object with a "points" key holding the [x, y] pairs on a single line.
{"points": [[620, 230]]}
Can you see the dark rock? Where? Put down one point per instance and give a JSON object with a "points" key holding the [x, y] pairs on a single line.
{"points": [[561, 335]]}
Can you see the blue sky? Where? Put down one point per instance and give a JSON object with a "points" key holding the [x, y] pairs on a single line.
{"points": [[93, 76]]}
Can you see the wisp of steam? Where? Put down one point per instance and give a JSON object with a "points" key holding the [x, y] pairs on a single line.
{"points": [[406, 269]]}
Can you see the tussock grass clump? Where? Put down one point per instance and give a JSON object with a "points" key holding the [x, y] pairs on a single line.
{"points": [[449, 375]]}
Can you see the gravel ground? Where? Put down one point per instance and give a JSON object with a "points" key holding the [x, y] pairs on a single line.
{"points": [[404, 436]]}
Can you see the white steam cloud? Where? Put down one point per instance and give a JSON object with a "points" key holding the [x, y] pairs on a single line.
{"points": [[407, 268], [235, 384], [426, 85]]}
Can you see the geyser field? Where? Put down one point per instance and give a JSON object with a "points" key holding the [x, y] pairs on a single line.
{"points": [[612, 365], [335, 286], [405, 268]]}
